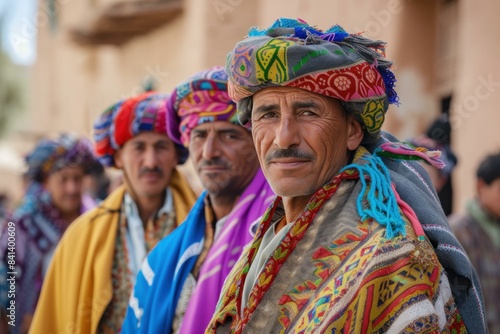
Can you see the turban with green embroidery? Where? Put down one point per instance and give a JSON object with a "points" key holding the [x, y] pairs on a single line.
{"points": [[332, 63]]}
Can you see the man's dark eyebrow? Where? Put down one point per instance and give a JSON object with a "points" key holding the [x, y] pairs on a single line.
{"points": [[296, 105], [266, 108], [162, 141], [198, 131], [305, 105], [228, 131], [137, 142]]}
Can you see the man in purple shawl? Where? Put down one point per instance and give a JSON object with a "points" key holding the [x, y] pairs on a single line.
{"points": [[178, 287], [53, 199]]}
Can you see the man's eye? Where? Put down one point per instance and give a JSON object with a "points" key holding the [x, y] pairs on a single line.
{"points": [[230, 136], [307, 113], [197, 135], [163, 147], [270, 114]]}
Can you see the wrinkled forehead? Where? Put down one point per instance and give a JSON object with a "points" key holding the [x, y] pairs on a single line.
{"points": [[277, 92], [148, 137], [219, 126], [294, 97]]}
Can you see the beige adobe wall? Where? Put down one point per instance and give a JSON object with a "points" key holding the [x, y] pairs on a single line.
{"points": [[226, 22], [413, 48], [74, 83], [476, 117]]}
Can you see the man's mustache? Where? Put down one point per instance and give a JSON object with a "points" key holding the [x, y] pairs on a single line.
{"points": [[73, 196], [155, 170], [214, 162], [288, 153]]}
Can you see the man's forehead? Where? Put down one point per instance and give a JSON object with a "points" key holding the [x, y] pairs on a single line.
{"points": [[219, 126], [275, 93], [149, 137], [69, 171], [270, 99]]}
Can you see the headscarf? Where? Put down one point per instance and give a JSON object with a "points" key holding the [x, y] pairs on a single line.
{"points": [[332, 63], [200, 99], [126, 119], [51, 155]]}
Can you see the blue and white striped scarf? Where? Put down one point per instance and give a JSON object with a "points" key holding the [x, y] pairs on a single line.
{"points": [[176, 260]]}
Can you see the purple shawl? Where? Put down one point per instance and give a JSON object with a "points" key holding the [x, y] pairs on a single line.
{"points": [[224, 253]]}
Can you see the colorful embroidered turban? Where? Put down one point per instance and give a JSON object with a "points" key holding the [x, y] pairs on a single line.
{"points": [[126, 119], [51, 155], [200, 99], [332, 63]]}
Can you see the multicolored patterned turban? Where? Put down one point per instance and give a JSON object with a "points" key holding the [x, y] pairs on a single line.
{"points": [[51, 155], [126, 119], [200, 99], [332, 63]]}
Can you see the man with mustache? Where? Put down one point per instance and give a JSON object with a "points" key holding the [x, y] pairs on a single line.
{"points": [[53, 199], [180, 281], [356, 241], [94, 268]]}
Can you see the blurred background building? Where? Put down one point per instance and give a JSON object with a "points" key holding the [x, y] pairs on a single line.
{"points": [[89, 53]]}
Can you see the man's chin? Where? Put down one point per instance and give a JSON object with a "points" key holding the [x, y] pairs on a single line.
{"points": [[68, 210], [290, 189], [152, 191], [215, 186]]}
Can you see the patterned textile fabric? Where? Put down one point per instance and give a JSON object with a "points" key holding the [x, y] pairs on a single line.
{"points": [[332, 63], [329, 275], [126, 119], [201, 98], [225, 251], [112, 319], [39, 227], [484, 253], [163, 274]]}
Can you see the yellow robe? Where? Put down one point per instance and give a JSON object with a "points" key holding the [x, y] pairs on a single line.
{"points": [[78, 288]]}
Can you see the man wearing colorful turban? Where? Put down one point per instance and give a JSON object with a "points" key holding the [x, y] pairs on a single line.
{"points": [[54, 198], [356, 240], [178, 287], [94, 268]]}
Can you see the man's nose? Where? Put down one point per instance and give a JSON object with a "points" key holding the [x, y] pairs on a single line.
{"points": [[287, 133], [73, 186], [150, 158], [211, 147]]}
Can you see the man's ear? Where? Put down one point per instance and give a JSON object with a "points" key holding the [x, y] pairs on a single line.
{"points": [[355, 133], [480, 187], [118, 159]]}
